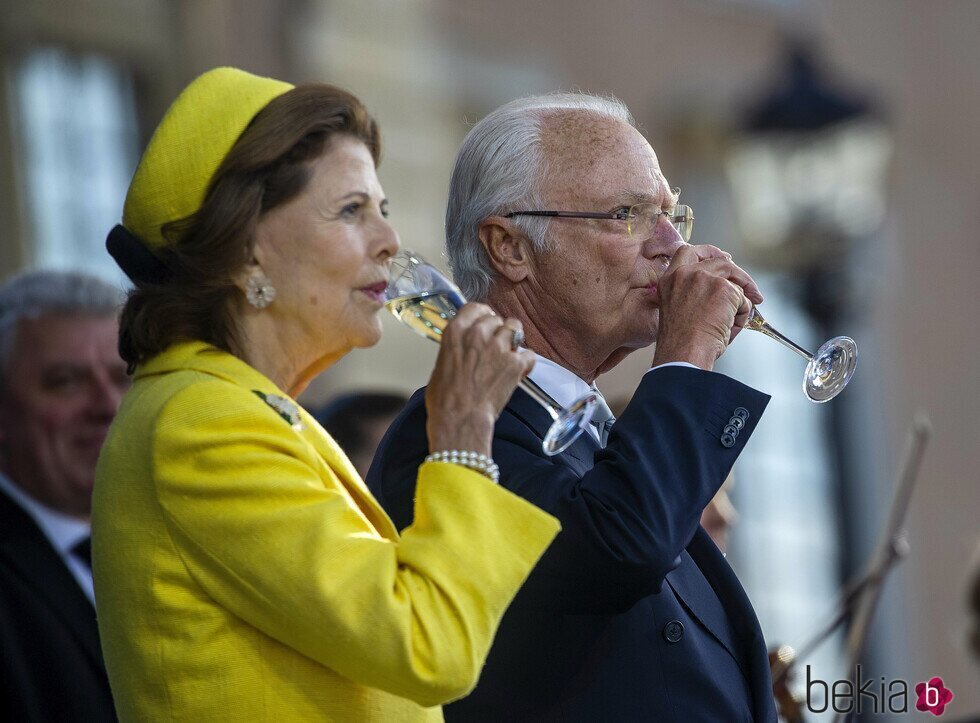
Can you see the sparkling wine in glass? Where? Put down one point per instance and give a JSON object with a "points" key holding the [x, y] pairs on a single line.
{"points": [[828, 371], [422, 298]]}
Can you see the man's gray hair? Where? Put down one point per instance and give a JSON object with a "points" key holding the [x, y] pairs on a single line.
{"points": [[37, 293], [500, 168]]}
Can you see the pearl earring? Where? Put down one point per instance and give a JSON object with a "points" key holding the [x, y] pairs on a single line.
{"points": [[259, 290]]}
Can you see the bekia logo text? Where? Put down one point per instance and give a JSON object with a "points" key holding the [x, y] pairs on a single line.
{"points": [[874, 695]]}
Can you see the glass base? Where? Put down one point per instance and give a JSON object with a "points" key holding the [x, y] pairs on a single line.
{"points": [[569, 425], [830, 369]]}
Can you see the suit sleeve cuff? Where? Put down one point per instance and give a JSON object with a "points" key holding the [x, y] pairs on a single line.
{"points": [[673, 364]]}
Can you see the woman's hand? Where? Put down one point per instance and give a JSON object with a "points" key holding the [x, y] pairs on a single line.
{"points": [[476, 372]]}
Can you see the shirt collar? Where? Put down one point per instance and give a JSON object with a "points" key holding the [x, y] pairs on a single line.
{"points": [[563, 386], [62, 531]]}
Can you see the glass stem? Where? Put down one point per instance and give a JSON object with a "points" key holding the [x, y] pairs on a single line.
{"points": [[757, 323], [541, 397]]}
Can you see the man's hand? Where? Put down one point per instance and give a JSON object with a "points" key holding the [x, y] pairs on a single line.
{"points": [[705, 300]]}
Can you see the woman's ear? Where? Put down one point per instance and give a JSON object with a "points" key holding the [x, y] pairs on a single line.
{"points": [[507, 247]]}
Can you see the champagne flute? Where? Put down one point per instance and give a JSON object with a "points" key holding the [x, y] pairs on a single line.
{"points": [[828, 371], [423, 299]]}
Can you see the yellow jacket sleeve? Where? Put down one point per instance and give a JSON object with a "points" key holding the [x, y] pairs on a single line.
{"points": [[267, 530]]}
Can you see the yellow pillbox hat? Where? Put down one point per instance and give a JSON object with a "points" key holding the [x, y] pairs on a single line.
{"points": [[192, 140]]}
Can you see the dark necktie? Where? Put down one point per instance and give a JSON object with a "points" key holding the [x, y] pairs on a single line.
{"points": [[602, 418], [83, 551]]}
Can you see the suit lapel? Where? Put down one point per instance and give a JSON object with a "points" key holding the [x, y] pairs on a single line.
{"points": [[743, 619], [701, 594], [580, 456], [25, 549]]}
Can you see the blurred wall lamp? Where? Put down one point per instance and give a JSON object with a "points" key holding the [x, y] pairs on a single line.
{"points": [[808, 171]]}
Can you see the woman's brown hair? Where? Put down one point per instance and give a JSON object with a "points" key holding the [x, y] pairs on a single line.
{"points": [[206, 252]]}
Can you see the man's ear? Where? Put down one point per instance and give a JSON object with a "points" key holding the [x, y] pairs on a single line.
{"points": [[507, 248]]}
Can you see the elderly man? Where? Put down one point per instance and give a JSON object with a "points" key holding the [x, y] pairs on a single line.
{"points": [[61, 381], [559, 215]]}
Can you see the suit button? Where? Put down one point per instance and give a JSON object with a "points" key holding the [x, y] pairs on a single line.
{"points": [[727, 440], [673, 631], [730, 429], [741, 412], [737, 422]]}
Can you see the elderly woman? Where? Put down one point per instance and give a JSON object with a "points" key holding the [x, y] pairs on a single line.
{"points": [[242, 569]]}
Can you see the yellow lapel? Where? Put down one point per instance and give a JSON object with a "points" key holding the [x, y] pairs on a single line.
{"points": [[210, 360], [341, 466]]}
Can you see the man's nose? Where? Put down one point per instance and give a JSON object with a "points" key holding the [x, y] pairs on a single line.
{"points": [[665, 240]]}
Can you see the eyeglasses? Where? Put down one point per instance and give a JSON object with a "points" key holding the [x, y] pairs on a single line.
{"points": [[640, 218]]}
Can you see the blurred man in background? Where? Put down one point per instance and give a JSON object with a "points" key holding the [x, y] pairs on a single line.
{"points": [[61, 380]]}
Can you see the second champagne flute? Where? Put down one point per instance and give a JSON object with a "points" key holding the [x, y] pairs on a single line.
{"points": [[422, 298]]}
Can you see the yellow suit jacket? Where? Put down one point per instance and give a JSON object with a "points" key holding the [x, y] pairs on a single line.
{"points": [[244, 572]]}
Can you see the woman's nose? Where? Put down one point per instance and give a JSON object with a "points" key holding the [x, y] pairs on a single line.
{"points": [[388, 242]]}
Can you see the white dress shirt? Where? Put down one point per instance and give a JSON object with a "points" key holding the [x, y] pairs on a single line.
{"points": [[564, 387], [62, 531]]}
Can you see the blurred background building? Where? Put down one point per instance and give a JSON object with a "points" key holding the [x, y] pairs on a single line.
{"points": [[828, 144]]}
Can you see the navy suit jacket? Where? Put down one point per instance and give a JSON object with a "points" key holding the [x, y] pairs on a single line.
{"points": [[51, 665], [633, 613]]}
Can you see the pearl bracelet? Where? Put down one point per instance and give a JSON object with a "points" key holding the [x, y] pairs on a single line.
{"points": [[476, 461]]}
